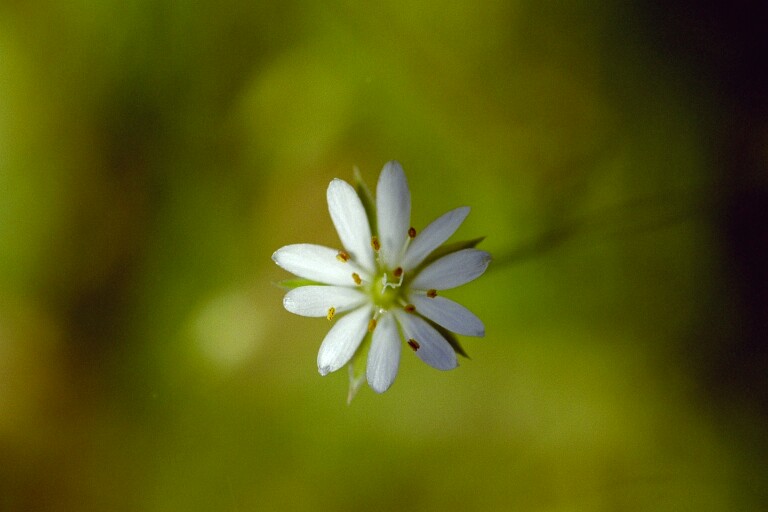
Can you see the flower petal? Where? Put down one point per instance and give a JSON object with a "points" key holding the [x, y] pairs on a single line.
{"points": [[384, 356], [449, 314], [433, 236], [317, 263], [351, 222], [452, 270], [430, 346], [342, 340], [316, 300], [393, 212]]}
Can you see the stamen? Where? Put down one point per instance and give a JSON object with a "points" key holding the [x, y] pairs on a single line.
{"points": [[356, 278], [432, 293], [414, 344], [375, 243], [398, 272], [343, 256], [411, 236], [331, 312], [409, 308], [372, 325]]}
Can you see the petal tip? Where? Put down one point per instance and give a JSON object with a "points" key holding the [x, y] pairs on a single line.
{"points": [[461, 213], [485, 258], [393, 166], [336, 189], [379, 386], [452, 365], [324, 370], [445, 366], [474, 331], [336, 182]]}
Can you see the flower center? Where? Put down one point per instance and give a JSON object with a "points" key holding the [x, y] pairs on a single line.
{"points": [[386, 288]]}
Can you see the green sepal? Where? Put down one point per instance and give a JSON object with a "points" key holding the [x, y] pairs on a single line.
{"points": [[450, 338], [290, 284], [447, 249], [357, 367], [366, 197]]}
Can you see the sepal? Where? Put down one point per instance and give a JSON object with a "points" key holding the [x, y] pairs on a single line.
{"points": [[290, 284], [451, 338], [365, 197], [357, 367]]}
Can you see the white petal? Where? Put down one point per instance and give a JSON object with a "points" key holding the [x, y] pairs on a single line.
{"points": [[384, 356], [316, 300], [393, 212], [351, 222], [433, 349], [433, 236], [447, 313], [317, 263], [452, 270], [342, 340]]}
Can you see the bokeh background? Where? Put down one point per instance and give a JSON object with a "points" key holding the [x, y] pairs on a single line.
{"points": [[153, 155]]}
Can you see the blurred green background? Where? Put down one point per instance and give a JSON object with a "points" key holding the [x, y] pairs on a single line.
{"points": [[153, 155]]}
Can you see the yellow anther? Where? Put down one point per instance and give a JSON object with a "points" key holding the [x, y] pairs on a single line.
{"points": [[414, 344], [375, 243], [372, 325], [356, 278], [409, 308], [343, 256], [432, 293], [398, 272], [411, 232], [331, 312]]}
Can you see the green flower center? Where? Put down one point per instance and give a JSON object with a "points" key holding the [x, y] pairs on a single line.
{"points": [[386, 290]]}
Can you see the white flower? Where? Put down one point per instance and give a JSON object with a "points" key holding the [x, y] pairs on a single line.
{"points": [[389, 284]]}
